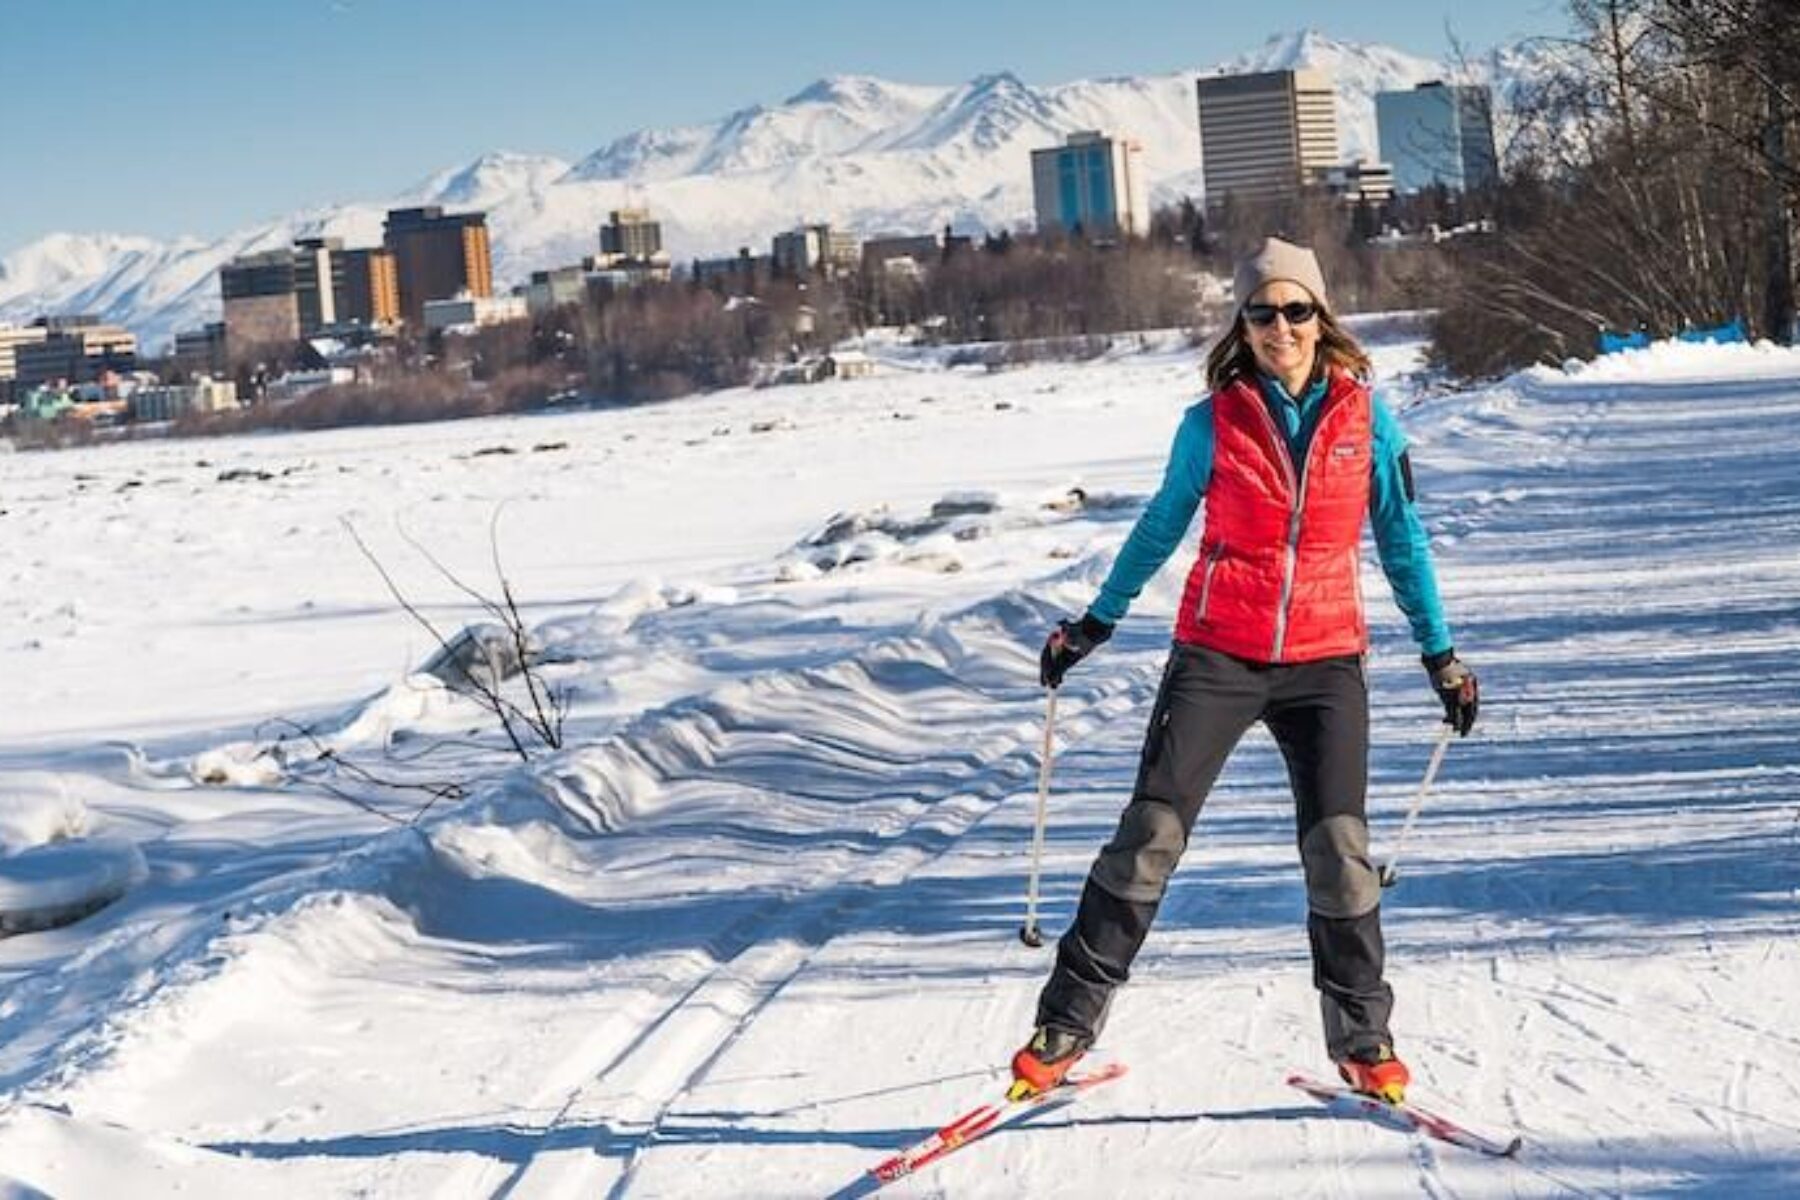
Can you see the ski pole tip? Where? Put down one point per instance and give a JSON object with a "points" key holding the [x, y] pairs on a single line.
{"points": [[1030, 936]]}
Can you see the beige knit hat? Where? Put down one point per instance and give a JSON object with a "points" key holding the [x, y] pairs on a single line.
{"points": [[1279, 260]]}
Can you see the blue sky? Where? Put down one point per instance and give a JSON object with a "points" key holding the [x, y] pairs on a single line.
{"points": [[199, 116]]}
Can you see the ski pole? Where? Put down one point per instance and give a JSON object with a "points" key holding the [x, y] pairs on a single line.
{"points": [[1389, 874], [1028, 933]]}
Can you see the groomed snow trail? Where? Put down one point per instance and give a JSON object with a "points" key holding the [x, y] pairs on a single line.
{"points": [[752, 938], [1593, 940]]}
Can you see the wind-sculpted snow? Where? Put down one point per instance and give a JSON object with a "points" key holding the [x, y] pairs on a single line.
{"points": [[755, 925]]}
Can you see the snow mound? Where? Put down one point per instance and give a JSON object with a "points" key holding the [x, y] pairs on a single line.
{"points": [[932, 542], [419, 701], [12, 1189], [56, 884], [73, 1155], [240, 764], [36, 808], [1677, 361], [647, 595]]}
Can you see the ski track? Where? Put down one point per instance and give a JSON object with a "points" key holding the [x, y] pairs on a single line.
{"points": [[632, 1088]]}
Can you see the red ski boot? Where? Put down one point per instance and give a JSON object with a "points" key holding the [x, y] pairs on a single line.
{"points": [[1043, 1061], [1377, 1073]]}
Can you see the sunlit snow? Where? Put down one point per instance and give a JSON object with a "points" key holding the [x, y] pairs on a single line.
{"points": [[754, 927]]}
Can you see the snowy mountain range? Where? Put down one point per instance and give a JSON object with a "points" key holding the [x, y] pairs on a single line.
{"points": [[868, 154]]}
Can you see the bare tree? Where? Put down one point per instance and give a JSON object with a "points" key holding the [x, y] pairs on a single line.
{"points": [[478, 661], [1630, 202]]}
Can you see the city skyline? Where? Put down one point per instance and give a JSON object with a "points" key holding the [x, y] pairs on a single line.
{"points": [[248, 112]]}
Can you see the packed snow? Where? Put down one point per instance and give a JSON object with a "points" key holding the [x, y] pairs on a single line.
{"points": [[754, 926]]}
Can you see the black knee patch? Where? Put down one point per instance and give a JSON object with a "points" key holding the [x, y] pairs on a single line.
{"points": [[1340, 880], [1137, 863]]}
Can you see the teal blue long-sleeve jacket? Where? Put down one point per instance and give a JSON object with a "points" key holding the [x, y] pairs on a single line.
{"points": [[1400, 538]]}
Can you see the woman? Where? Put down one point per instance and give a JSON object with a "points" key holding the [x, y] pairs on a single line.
{"points": [[1290, 453]]}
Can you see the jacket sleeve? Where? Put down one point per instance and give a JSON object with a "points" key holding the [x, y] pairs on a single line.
{"points": [[1165, 520], [1400, 538]]}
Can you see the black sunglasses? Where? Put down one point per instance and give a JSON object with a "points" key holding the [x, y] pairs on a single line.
{"points": [[1297, 312]]}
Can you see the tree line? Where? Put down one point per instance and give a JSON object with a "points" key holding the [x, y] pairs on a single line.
{"points": [[1650, 185]]}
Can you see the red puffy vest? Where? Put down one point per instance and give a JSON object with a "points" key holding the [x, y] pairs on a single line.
{"points": [[1278, 578]]}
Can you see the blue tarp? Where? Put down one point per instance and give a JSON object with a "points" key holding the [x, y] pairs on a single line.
{"points": [[1733, 331]]}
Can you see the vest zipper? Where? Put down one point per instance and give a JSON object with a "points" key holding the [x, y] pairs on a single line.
{"points": [[1297, 500], [1297, 486], [1212, 561]]}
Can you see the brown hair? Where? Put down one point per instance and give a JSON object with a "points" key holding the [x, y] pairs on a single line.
{"points": [[1231, 357]]}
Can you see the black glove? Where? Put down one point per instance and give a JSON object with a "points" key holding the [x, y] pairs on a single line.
{"points": [[1456, 687], [1068, 644]]}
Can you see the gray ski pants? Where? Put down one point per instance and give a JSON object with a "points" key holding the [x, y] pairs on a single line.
{"points": [[1318, 713]]}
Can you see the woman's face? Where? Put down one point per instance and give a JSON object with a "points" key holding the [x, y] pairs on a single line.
{"points": [[1282, 349]]}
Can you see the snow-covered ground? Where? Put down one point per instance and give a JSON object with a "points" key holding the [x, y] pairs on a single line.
{"points": [[755, 925]]}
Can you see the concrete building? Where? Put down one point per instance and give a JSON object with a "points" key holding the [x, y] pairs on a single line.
{"points": [[737, 273], [554, 289], [920, 250], [262, 303], [627, 273], [295, 384], [1438, 133], [277, 297], [815, 249], [1266, 135], [474, 311], [840, 249], [1361, 182], [11, 338], [602, 283], [438, 256], [795, 252], [170, 401], [368, 290], [74, 349], [630, 234], [1091, 185], [202, 351]]}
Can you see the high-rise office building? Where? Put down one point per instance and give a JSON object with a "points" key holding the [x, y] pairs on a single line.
{"points": [[11, 338], [74, 349], [630, 234], [203, 351], [437, 256], [369, 287], [1266, 135], [1092, 185], [1438, 133], [262, 303], [318, 278]]}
